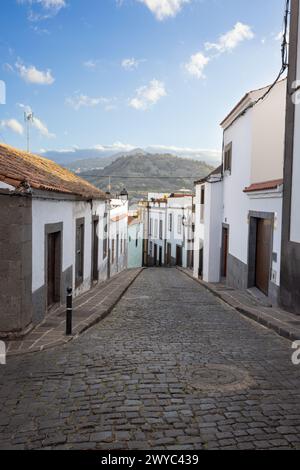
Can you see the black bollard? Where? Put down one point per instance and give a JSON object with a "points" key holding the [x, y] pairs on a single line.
{"points": [[69, 312]]}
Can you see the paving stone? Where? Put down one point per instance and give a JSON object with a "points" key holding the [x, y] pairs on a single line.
{"points": [[138, 379]]}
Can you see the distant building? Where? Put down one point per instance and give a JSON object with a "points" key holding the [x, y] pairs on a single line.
{"points": [[171, 230], [135, 242], [208, 223], [290, 259], [239, 207], [118, 235]]}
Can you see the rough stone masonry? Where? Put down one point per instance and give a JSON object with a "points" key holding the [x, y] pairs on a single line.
{"points": [[172, 367]]}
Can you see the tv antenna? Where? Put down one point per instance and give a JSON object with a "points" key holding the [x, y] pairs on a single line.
{"points": [[28, 118]]}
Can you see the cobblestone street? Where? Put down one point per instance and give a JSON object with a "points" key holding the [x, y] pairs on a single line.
{"points": [[172, 367]]}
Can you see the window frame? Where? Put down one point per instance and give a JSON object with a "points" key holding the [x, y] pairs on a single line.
{"points": [[228, 158]]}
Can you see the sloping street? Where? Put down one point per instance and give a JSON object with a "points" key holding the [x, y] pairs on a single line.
{"points": [[172, 367]]}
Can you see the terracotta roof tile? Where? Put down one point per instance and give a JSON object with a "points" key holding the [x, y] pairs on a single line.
{"points": [[18, 167], [264, 186]]}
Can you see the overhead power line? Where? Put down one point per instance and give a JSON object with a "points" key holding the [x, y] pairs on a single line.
{"points": [[284, 62]]}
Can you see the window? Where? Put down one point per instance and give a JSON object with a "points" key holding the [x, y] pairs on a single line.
{"points": [[179, 225], [228, 157], [202, 202], [79, 262], [105, 247], [155, 228], [160, 229], [170, 222]]}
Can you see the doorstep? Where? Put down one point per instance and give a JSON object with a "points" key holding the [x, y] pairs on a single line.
{"points": [[88, 309], [283, 323]]}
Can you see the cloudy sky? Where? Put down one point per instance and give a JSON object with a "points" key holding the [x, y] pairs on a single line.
{"points": [[127, 73]]}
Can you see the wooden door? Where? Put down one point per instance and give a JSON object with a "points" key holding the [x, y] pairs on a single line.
{"points": [[160, 256], [53, 268], [200, 262], [155, 255], [225, 243], [179, 255], [95, 250], [263, 254]]}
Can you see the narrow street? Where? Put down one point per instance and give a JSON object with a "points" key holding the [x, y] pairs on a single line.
{"points": [[172, 367]]}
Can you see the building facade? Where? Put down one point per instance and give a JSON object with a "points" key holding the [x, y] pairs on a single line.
{"points": [[135, 242], [171, 231], [290, 260], [54, 235], [118, 236], [238, 216]]}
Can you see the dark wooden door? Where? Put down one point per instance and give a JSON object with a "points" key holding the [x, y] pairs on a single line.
{"points": [[169, 254], [179, 255], [53, 268], [155, 255], [225, 243], [263, 254], [201, 262], [95, 250], [160, 256]]}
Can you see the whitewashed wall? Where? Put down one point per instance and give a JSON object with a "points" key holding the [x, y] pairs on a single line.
{"points": [[236, 202], [46, 211], [157, 214], [179, 207], [212, 232], [119, 227], [199, 229]]}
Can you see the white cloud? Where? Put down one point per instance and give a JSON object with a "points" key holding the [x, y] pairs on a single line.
{"points": [[90, 64], [147, 96], [84, 101], [229, 41], [39, 125], [32, 75], [197, 64], [42, 128], [116, 146], [130, 64], [51, 5], [163, 9], [13, 125]]}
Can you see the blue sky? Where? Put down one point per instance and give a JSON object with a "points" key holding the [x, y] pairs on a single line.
{"points": [[128, 73]]}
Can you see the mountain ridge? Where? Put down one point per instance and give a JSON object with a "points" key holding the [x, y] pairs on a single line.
{"points": [[141, 173]]}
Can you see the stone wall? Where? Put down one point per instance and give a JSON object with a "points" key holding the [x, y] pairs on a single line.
{"points": [[237, 273], [16, 263]]}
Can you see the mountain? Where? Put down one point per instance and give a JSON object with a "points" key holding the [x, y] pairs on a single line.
{"points": [[100, 156], [141, 173]]}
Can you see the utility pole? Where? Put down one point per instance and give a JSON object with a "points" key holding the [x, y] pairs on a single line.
{"points": [[28, 118]]}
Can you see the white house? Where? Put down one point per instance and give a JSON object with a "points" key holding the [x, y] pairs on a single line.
{"points": [[171, 230], [243, 208], [290, 260], [208, 220], [180, 230], [157, 232], [135, 242], [118, 235], [53, 235]]}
